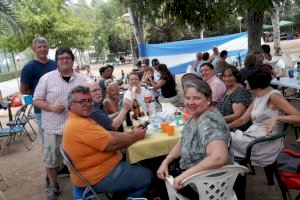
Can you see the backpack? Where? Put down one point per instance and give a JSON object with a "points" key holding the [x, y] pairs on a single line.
{"points": [[288, 163]]}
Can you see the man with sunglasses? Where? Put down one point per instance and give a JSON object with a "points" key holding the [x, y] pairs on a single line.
{"points": [[96, 154], [51, 97]]}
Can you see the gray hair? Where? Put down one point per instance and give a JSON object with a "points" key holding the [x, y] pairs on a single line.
{"points": [[199, 85], [39, 40], [78, 89]]}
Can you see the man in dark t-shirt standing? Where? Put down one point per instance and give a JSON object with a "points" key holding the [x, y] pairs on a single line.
{"points": [[34, 70]]}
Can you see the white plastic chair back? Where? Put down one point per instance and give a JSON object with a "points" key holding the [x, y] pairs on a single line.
{"points": [[211, 184]]}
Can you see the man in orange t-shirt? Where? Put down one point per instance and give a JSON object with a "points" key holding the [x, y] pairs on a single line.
{"points": [[95, 152]]}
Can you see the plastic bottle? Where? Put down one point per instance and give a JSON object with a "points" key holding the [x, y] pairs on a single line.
{"points": [[128, 119], [136, 109], [158, 107]]}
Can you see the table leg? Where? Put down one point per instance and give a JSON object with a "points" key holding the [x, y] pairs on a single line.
{"points": [[9, 113]]}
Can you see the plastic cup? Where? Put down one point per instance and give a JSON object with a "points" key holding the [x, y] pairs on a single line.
{"points": [[164, 127], [148, 99], [171, 130], [186, 116]]}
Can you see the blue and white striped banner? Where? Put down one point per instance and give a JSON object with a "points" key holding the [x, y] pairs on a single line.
{"points": [[178, 55]]}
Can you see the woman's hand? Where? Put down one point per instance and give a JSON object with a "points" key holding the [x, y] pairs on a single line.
{"points": [[162, 171], [270, 125], [149, 76], [178, 182]]}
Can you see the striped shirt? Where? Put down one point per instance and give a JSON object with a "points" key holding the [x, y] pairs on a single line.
{"points": [[53, 89]]}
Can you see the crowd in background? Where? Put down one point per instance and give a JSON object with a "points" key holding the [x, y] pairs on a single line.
{"points": [[228, 107]]}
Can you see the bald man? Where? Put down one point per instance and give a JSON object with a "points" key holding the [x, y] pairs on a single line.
{"points": [[109, 122]]}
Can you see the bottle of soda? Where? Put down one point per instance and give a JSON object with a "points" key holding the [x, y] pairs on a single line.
{"points": [[128, 119], [136, 109]]}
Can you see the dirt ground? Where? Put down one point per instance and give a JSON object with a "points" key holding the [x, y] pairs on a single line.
{"points": [[25, 173]]}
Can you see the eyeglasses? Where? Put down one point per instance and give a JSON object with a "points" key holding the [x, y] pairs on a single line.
{"points": [[84, 101], [64, 58]]}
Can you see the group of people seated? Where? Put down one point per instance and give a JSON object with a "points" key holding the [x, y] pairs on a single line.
{"points": [[226, 114]]}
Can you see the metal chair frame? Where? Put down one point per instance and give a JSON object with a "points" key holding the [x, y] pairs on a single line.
{"points": [[11, 132], [88, 187]]}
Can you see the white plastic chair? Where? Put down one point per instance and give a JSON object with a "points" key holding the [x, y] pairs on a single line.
{"points": [[211, 184]]}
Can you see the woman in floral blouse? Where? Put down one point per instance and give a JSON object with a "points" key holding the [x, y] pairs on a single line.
{"points": [[205, 142]]}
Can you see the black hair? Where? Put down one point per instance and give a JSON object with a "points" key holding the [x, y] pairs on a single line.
{"points": [[259, 78], [102, 69], [208, 64], [63, 50], [154, 62], [205, 56], [223, 53], [266, 48], [235, 72], [109, 66], [138, 64], [166, 74]]}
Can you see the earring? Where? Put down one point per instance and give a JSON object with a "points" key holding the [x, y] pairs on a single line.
{"points": [[208, 103]]}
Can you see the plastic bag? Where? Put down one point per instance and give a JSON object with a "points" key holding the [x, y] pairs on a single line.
{"points": [[16, 101]]}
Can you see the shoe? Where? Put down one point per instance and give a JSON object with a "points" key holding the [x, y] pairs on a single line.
{"points": [[53, 192], [64, 172]]}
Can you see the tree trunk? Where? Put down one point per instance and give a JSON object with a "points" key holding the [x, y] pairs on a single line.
{"points": [[255, 29], [137, 21], [276, 28], [201, 34]]}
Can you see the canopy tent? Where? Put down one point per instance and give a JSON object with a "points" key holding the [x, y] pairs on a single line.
{"points": [[282, 23], [178, 55]]}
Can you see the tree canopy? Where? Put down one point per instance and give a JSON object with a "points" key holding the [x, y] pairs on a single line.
{"points": [[51, 19]]}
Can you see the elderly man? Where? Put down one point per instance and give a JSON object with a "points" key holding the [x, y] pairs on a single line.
{"points": [[215, 56], [99, 158], [34, 70], [109, 122], [51, 97], [217, 86]]}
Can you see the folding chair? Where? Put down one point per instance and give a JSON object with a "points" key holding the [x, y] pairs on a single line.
{"points": [[30, 115], [89, 192], [21, 119], [13, 130], [211, 184]]}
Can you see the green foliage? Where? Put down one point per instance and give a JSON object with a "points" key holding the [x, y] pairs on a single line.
{"points": [[110, 31], [50, 19], [9, 75], [9, 23]]}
